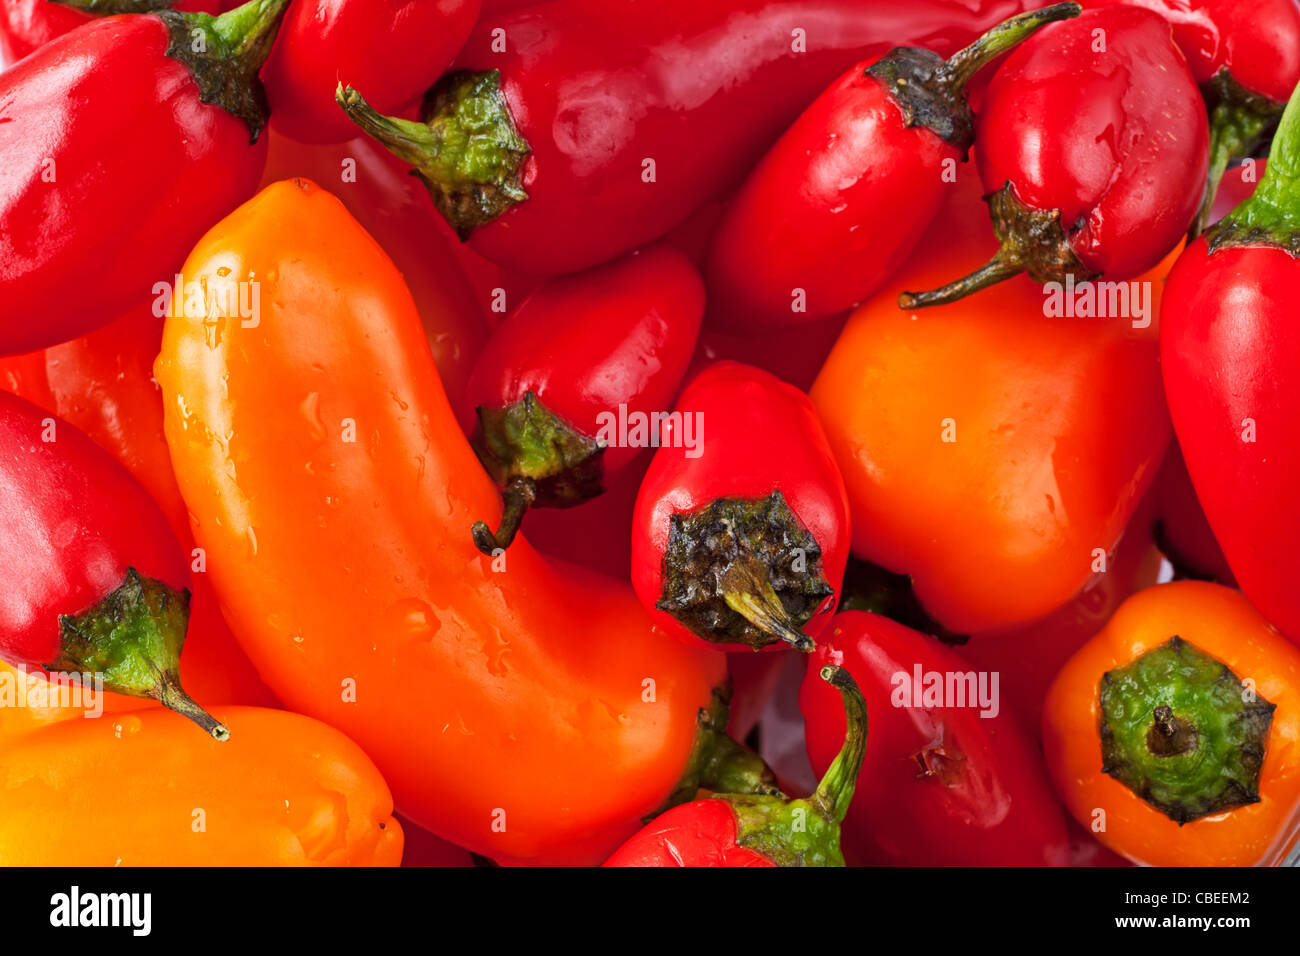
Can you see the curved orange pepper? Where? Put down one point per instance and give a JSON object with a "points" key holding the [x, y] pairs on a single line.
{"points": [[1223, 624], [988, 448], [284, 790], [520, 709]]}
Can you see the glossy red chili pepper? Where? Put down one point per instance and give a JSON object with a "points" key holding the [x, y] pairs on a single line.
{"points": [[103, 384], [26, 25], [1246, 56], [581, 129], [392, 49], [114, 165], [1230, 308], [566, 389], [838, 203], [942, 783], [94, 580], [762, 829], [1089, 137], [741, 529]]}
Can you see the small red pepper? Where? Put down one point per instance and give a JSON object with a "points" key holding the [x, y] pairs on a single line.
{"points": [[1230, 354], [741, 530], [1088, 139], [581, 129], [120, 146], [942, 784], [392, 49], [94, 580], [762, 829], [838, 203], [556, 398], [26, 25], [1246, 56]]}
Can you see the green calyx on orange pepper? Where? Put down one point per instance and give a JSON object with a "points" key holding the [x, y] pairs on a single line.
{"points": [[522, 709]]}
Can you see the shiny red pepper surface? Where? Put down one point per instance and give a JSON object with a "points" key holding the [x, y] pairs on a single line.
{"points": [[941, 785], [111, 166], [392, 49], [741, 530], [26, 25], [629, 116]]}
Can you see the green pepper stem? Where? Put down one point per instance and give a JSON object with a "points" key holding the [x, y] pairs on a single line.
{"points": [[172, 696], [1002, 266], [835, 791], [1273, 212], [406, 139], [518, 495], [965, 63], [746, 590]]}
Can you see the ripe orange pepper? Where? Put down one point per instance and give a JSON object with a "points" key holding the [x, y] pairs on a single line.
{"points": [[988, 448], [142, 789], [103, 383], [524, 710], [1216, 627]]}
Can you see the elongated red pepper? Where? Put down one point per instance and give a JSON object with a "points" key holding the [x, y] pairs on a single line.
{"points": [[1246, 56], [94, 580], [90, 117], [26, 25], [1089, 137], [1230, 307], [762, 829], [392, 49], [550, 402], [838, 203], [581, 129], [947, 781], [741, 529]]}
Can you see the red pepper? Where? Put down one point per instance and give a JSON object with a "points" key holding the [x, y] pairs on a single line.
{"points": [[1181, 528], [762, 829], [838, 203], [103, 384], [565, 380], [1230, 353], [115, 166], [26, 25], [582, 129], [1089, 137], [94, 580], [1246, 56], [392, 49], [741, 529], [942, 785]]}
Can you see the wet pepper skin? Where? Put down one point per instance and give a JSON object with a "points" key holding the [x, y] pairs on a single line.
{"points": [[67, 104], [285, 790], [985, 801], [515, 687], [1059, 423], [26, 25], [703, 833], [702, 87]]}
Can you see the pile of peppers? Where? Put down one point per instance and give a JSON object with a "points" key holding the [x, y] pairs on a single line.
{"points": [[451, 432]]}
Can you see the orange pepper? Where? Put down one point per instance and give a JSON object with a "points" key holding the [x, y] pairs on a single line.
{"points": [[142, 789], [103, 383], [988, 448], [1222, 625], [521, 709]]}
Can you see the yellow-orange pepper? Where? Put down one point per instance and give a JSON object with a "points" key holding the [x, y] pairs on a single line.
{"points": [[518, 708], [142, 789], [1167, 721]]}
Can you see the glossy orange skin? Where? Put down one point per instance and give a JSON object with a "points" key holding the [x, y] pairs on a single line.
{"points": [[395, 208], [1060, 427], [284, 790], [478, 691], [1222, 623], [103, 383]]}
